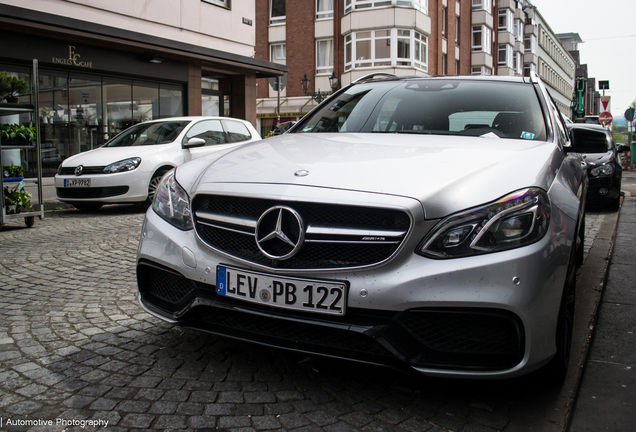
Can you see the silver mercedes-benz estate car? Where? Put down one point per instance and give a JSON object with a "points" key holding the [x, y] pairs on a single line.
{"points": [[426, 223]]}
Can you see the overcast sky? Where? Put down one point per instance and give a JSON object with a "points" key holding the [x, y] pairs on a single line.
{"points": [[608, 29]]}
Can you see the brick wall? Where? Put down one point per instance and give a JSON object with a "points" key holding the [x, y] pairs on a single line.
{"points": [[301, 47], [262, 42]]}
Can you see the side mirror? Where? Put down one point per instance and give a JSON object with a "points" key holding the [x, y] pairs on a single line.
{"points": [[622, 148], [194, 142]]}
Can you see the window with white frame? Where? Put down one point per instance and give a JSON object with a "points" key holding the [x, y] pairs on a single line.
{"points": [[517, 30], [530, 43], [505, 20], [386, 47], [504, 55], [224, 3], [276, 11], [351, 5], [324, 56], [516, 63], [481, 39], [324, 9], [481, 70], [482, 5], [278, 53]]}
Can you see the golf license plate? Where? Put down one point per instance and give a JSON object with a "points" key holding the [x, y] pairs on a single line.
{"points": [[77, 182], [326, 297]]}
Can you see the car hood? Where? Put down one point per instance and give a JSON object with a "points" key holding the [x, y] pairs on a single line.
{"points": [[596, 159], [445, 173], [103, 156]]}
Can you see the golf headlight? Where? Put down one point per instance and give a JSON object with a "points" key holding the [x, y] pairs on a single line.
{"points": [[602, 171], [172, 203], [516, 220], [123, 165]]}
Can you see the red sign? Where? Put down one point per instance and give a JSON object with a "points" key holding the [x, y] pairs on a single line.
{"points": [[605, 118]]}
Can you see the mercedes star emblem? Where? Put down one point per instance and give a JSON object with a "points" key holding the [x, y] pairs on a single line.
{"points": [[280, 233]]}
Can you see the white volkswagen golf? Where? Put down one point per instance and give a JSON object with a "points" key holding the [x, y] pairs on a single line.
{"points": [[127, 169]]}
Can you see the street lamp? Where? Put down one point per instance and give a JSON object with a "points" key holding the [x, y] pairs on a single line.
{"points": [[319, 96]]}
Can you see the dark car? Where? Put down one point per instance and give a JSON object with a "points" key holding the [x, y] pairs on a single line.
{"points": [[603, 164]]}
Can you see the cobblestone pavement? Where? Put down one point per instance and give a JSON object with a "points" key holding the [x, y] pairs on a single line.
{"points": [[76, 349]]}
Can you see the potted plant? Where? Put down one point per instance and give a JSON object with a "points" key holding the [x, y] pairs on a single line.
{"points": [[11, 87], [12, 172], [12, 133], [17, 198]]}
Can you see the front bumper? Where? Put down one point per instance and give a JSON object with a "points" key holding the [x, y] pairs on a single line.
{"points": [[461, 317], [124, 187]]}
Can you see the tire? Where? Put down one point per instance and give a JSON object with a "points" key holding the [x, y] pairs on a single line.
{"points": [[153, 185], [88, 208], [29, 221], [556, 369], [615, 204]]}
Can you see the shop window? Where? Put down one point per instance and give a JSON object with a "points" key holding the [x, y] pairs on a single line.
{"points": [[215, 95], [170, 102], [145, 102]]}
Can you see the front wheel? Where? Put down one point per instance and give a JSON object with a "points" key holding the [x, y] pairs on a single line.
{"points": [[557, 368]]}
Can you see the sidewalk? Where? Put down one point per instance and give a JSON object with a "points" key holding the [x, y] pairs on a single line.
{"points": [[607, 394]]}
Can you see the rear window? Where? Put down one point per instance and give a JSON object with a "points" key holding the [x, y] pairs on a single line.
{"points": [[590, 141], [437, 106]]}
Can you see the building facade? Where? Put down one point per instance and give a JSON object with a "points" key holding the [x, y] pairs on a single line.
{"points": [[348, 39], [105, 65]]}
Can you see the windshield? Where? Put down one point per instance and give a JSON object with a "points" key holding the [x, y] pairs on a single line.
{"points": [[148, 134], [437, 106]]}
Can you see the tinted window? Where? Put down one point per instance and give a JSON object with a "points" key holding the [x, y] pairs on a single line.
{"points": [[237, 131], [148, 134], [434, 106], [590, 141], [209, 130]]}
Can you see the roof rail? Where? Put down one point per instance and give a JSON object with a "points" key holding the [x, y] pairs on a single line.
{"points": [[373, 75]]}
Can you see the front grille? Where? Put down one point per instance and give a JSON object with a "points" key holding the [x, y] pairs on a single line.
{"points": [[85, 170], [288, 333], [336, 236], [91, 192]]}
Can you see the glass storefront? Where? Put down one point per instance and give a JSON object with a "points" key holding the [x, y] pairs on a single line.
{"points": [[215, 95], [81, 112]]}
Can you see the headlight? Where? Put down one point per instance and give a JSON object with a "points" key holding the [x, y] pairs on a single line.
{"points": [[124, 165], [602, 171], [172, 203], [516, 220]]}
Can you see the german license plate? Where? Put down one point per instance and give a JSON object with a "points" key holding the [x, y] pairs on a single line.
{"points": [[311, 295], [77, 182]]}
